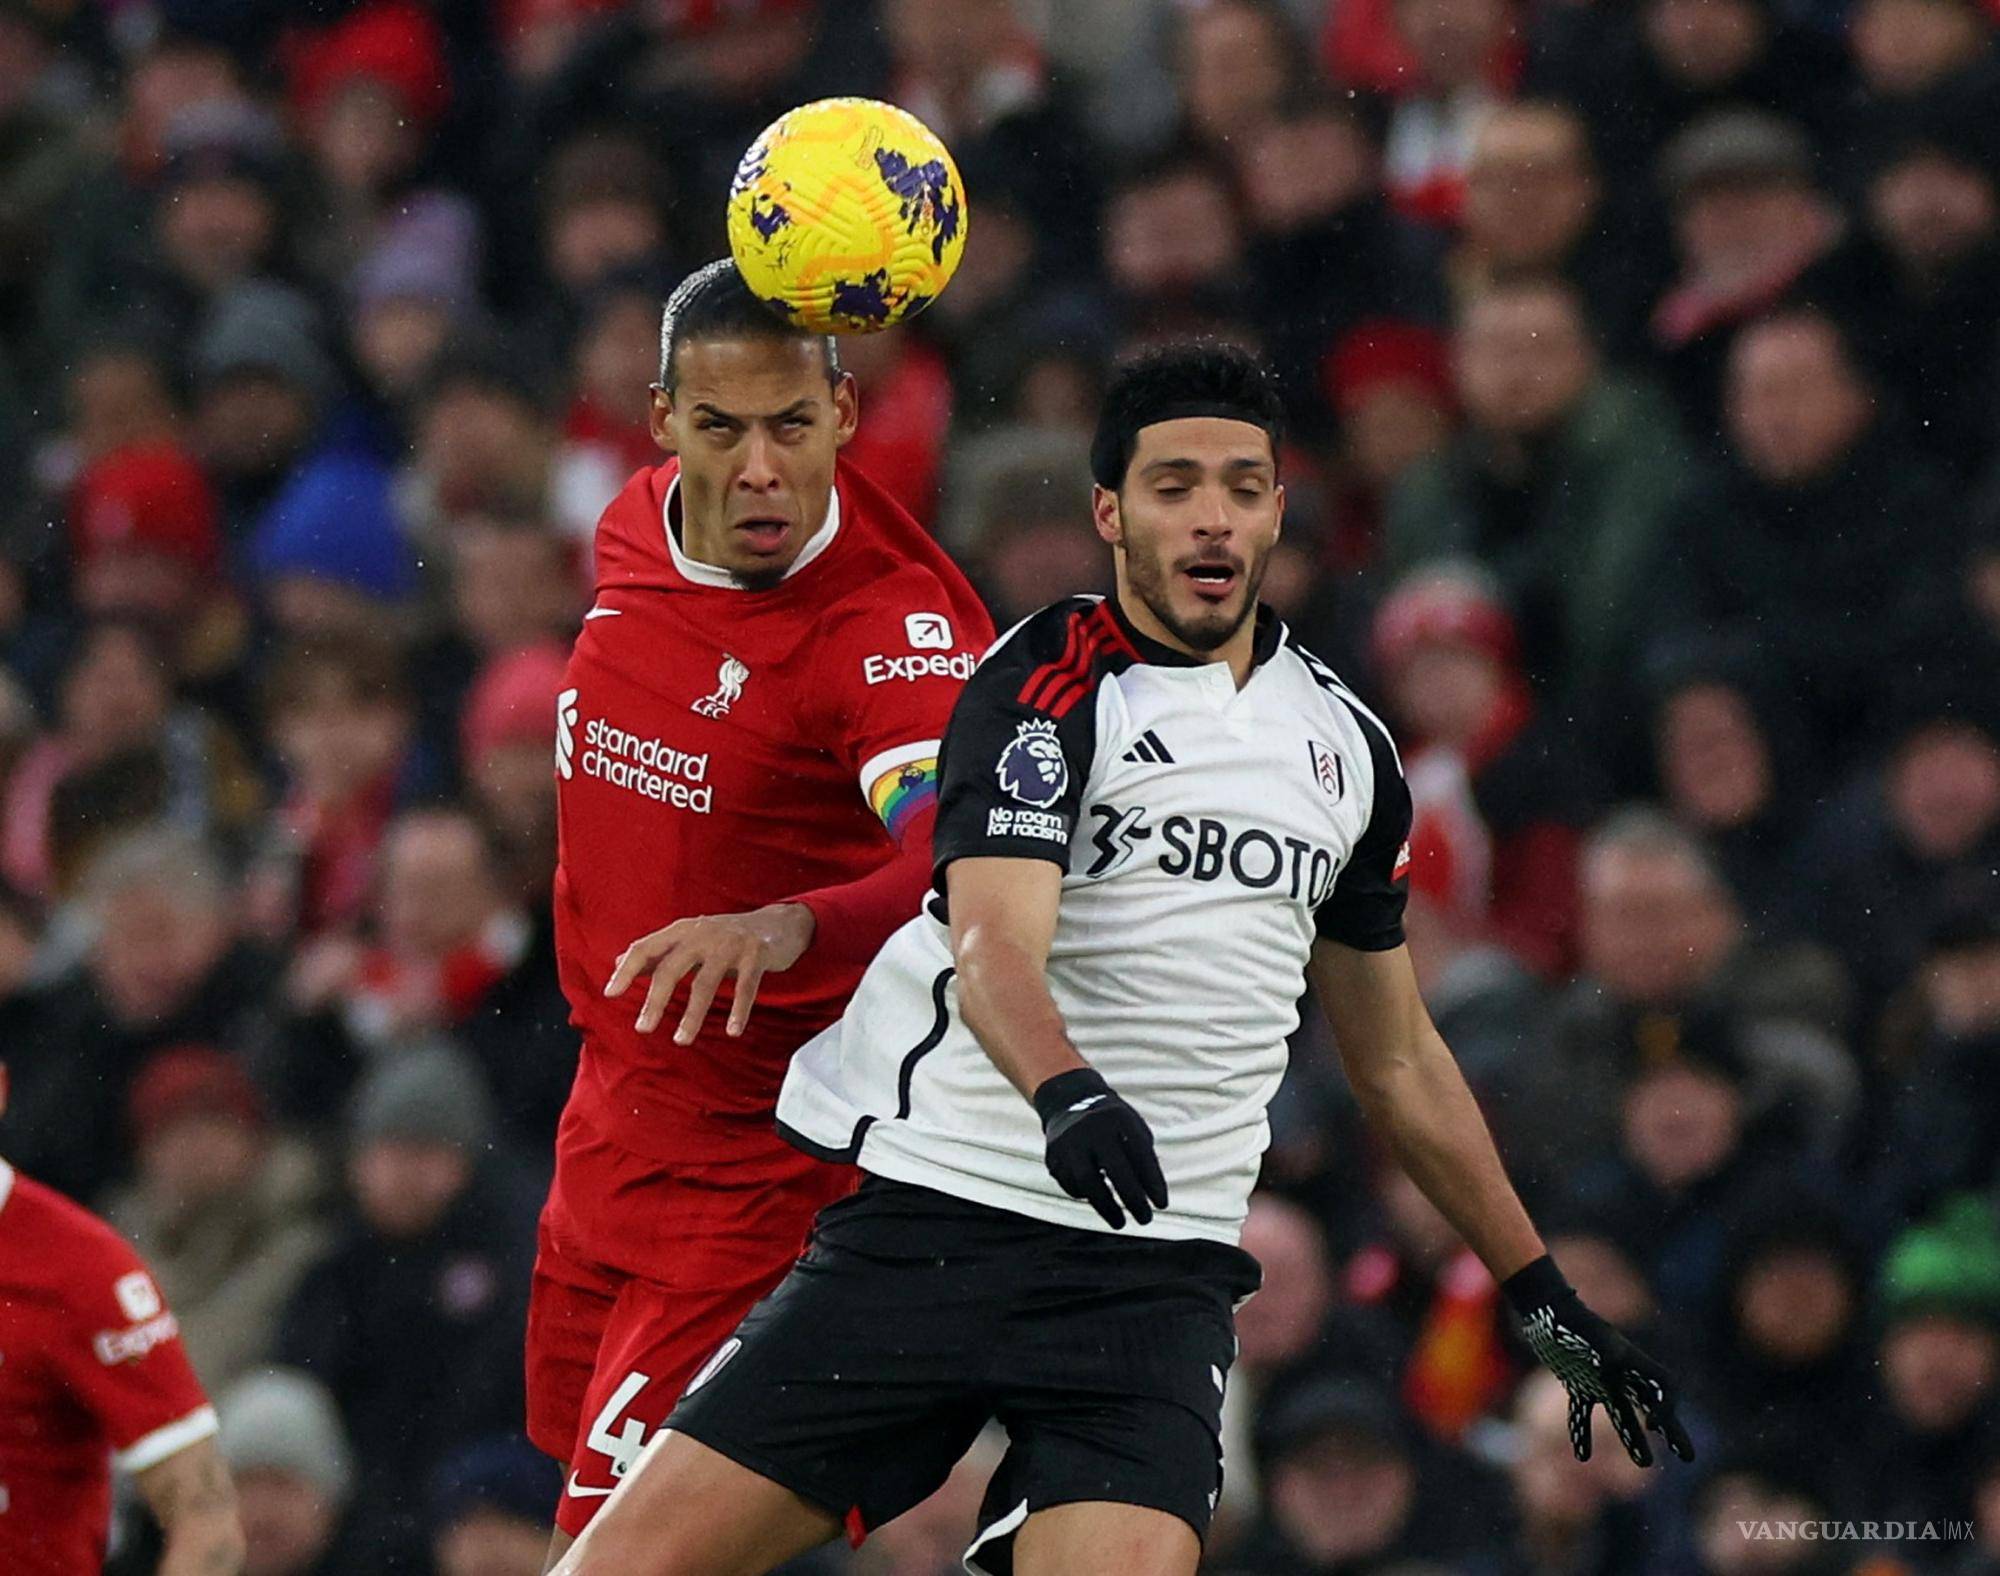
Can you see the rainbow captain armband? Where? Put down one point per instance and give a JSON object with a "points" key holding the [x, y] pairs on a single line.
{"points": [[900, 782]]}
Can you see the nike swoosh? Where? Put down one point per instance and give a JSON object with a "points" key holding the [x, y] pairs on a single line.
{"points": [[1086, 1103], [602, 612], [581, 1492]]}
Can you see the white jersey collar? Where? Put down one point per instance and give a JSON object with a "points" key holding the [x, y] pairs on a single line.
{"points": [[695, 572]]}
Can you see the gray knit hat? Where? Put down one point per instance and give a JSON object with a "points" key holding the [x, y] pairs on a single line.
{"points": [[282, 1420], [429, 1093]]}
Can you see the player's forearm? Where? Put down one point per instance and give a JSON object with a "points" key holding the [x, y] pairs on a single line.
{"points": [[1004, 999], [1421, 1106], [206, 1546], [853, 919]]}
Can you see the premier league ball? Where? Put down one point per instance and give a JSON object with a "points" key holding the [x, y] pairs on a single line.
{"points": [[847, 215]]}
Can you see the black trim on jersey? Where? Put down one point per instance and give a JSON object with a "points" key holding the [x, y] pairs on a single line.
{"points": [[908, 1071], [1365, 910], [819, 1151], [1269, 637], [905, 1075]]}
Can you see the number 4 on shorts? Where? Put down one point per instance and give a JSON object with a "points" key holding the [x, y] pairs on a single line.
{"points": [[623, 1445]]}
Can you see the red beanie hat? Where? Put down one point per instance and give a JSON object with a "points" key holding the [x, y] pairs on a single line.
{"points": [[391, 42], [1383, 351], [191, 1080], [513, 700], [148, 496], [1448, 604]]}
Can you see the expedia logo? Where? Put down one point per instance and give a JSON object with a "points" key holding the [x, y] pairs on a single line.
{"points": [[1205, 849], [881, 670]]}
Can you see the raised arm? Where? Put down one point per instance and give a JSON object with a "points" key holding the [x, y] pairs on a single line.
{"points": [[193, 1500], [1410, 1089], [1413, 1094]]}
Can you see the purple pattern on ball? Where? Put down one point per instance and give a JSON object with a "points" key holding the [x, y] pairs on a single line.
{"points": [[924, 190]]}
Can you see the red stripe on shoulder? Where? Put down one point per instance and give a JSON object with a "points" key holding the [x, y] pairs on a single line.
{"points": [[1076, 682], [1048, 671]]}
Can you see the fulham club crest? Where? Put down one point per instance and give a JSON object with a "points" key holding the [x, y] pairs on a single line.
{"points": [[1331, 775]]}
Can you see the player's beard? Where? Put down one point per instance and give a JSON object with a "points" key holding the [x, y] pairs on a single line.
{"points": [[1151, 579]]}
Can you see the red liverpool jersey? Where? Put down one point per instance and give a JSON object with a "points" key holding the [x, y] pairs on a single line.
{"points": [[719, 749], [91, 1366]]}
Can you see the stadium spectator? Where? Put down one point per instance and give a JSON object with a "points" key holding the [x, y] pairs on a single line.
{"points": [[225, 1211], [1927, 810], [1821, 538], [1500, 797], [1732, 764], [1388, 382], [1908, 50], [1535, 204], [412, 290], [433, 1258], [282, 1437], [1787, 1338], [1752, 231], [263, 385], [1933, 204], [507, 739], [115, 700], [164, 967], [1347, 1486], [1237, 62], [1746, 1492], [1642, 81], [1942, 1134], [1173, 239], [491, 1503], [339, 717], [1938, 1300], [1562, 484], [1661, 938], [481, 441], [1571, 1516], [1327, 252], [452, 953], [329, 557]]}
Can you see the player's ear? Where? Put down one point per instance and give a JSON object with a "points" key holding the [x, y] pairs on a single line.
{"points": [[1279, 493], [660, 417], [1105, 516], [846, 407]]}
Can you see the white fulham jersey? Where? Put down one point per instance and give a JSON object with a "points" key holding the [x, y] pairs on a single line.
{"points": [[1208, 835]]}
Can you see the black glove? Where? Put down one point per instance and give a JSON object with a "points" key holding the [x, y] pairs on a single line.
{"points": [[1097, 1145], [1595, 1363]]}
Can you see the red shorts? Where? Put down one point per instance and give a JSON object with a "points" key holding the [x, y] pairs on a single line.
{"points": [[642, 1271]]}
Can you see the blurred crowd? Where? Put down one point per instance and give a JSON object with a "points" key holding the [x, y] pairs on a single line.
{"points": [[1643, 359]]}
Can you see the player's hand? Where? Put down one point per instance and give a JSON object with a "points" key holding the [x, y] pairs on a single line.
{"points": [[1596, 1364], [1098, 1147], [713, 948]]}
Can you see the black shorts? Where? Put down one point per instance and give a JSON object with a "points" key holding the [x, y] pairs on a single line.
{"points": [[914, 1318]]}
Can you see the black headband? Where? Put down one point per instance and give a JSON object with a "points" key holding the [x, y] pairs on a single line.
{"points": [[1111, 448]]}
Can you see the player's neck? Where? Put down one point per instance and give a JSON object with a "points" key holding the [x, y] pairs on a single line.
{"points": [[1239, 651]]}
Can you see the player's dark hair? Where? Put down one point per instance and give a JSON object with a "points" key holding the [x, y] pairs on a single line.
{"points": [[713, 302], [1199, 378]]}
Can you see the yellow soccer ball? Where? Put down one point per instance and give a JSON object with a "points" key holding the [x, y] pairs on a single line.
{"points": [[847, 215]]}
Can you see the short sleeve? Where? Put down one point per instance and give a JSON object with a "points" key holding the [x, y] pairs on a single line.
{"points": [[1365, 910], [123, 1359], [892, 666], [1017, 752]]}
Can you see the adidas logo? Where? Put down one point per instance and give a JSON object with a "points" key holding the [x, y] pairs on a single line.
{"points": [[1149, 750]]}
